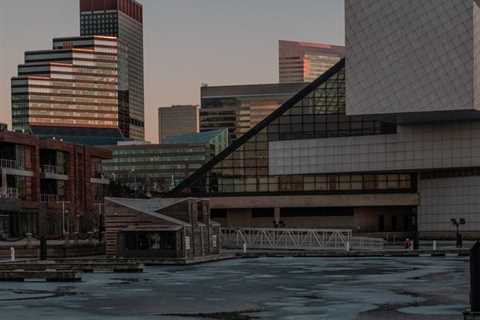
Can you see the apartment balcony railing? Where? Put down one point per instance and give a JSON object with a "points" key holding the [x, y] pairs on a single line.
{"points": [[99, 178], [47, 168], [11, 164], [11, 193], [52, 198]]}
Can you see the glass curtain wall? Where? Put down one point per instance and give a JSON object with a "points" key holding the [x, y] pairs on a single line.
{"points": [[316, 112]]}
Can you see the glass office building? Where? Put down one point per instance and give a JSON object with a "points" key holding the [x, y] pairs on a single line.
{"points": [[239, 108], [71, 87], [177, 119], [122, 19], [145, 169], [219, 139], [306, 61]]}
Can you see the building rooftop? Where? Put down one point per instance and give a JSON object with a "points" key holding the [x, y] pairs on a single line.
{"points": [[321, 48], [195, 138], [152, 207], [86, 136], [268, 89]]}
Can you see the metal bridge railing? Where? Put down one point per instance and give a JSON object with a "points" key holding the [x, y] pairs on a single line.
{"points": [[297, 239], [289, 239], [365, 244]]}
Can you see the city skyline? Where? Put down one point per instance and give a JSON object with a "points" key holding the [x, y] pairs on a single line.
{"points": [[169, 63]]}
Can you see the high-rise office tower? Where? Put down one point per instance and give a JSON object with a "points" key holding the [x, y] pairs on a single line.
{"points": [[240, 107], [305, 61], [69, 92], [122, 19], [177, 120]]}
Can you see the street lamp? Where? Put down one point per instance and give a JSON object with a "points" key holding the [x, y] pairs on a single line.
{"points": [[457, 224], [134, 182]]}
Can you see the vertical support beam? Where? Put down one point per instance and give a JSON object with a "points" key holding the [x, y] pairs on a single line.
{"points": [[4, 189], [475, 278], [277, 217], [42, 220]]}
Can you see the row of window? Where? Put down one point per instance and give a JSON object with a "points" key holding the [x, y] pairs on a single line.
{"points": [[318, 184]]}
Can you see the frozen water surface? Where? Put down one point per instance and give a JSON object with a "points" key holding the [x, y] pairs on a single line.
{"points": [[265, 288]]}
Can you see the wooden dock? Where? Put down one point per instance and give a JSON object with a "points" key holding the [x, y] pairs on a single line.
{"points": [[77, 265], [20, 275]]}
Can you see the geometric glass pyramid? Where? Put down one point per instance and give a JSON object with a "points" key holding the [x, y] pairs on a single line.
{"points": [[317, 111]]}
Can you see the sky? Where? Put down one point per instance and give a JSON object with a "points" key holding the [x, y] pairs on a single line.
{"points": [[186, 42]]}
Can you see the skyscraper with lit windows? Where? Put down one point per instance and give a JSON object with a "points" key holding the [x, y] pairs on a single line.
{"points": [[69, 92], [122, 19], [306, 61]]}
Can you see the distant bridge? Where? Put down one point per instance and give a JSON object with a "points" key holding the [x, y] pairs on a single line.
{"points": [[297, 239]]}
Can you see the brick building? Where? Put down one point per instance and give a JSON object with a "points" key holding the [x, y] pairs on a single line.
{"points": [[63, 180]]}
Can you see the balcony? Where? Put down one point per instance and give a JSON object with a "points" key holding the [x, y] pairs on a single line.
{"points": [[52, 198], [11, 164], [10, 194], [99, 178], [15, 168], [54, 172]]}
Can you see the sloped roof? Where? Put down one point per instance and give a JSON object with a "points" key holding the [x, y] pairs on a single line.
{"points": [[194, 138], [151, 206]]}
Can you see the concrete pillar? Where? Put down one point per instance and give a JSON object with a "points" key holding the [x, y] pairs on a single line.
{"points": [[277, 217], [365, 219], [4, 190]]}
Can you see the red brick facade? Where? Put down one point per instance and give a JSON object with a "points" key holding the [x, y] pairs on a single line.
{"points": [[32, 177]]}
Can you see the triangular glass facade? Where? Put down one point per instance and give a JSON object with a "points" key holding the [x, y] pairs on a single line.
{"points": [[318, 111]]}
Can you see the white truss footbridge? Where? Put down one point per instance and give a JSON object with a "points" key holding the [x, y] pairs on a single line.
{"points": [[297, 239]]}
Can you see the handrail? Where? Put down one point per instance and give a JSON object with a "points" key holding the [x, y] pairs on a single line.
{"points": [[52, 198], [11, 193], [365, 243], [297, 239], [11, 164], [55, 169]]}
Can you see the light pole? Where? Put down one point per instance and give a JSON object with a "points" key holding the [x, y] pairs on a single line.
{"points": [[63, 219], [457, 224], [65, 212], [134, 182], [100, 222]]}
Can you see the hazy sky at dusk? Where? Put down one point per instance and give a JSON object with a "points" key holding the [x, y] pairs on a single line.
{"points": [[187, 42]]}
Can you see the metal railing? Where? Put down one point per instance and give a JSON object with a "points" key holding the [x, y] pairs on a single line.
{"points": [[297, 239], [52, 198], [365, 244], [11, 164], [11, 193], [288, 239], [47, 168]]}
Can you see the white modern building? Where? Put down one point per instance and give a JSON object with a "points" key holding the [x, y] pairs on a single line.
{"points": [[386, 141]]}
